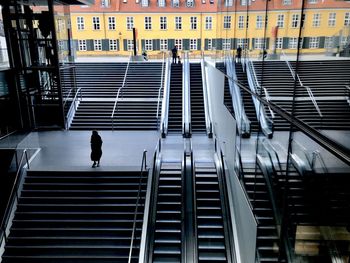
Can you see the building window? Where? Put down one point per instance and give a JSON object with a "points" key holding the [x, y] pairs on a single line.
{"points": [[129, 23], [303, 17], [279, 43], [242, 42], [208, 23], [245, 2], [148, 23], [130, 44], [328, 42], [295, 20], [226, 44], [347, 19], [144, 3], [228, 2], [148, 44], [331, 19], [193, 44], [97, 44], [190, 3], [280, 20], [113, 45], [164, 44], [227, 22], [210, 44], [241, 22], [111, 23], [314, 42], [82, 45], [193, 21], [163, 23], [105, 3], [293, 42], [344, 41], [96, 23], [176, 3], [178, 44], [287, 2], [259, 22], [80, 23], [312, 1], [316, 20], [161, 3], [259, 43], [178, 23]]}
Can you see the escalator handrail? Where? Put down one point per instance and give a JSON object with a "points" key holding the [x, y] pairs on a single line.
{"points": [[147, 236], [208, 119], [142, 170], [186, 98], [166, 97]]}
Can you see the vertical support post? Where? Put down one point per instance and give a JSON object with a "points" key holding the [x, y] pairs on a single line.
{"points": [[134, 40]]}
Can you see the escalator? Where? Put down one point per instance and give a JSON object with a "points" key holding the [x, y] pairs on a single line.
{"points": [[197, 103], [168, 227], [213, 234], [175, 100]]}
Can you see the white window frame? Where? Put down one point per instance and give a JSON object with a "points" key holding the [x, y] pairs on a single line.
{"points": [[245, 2], [148, 44], [287, 2], [240, 22], [129, 22], [316, 20], [176, 3], [344, 41], [111, 23], [347, 19], [332, 19], [129, 44], [208, 23], [178, 23], [96, 23], [312, 1], [280, 20], [259, 43], [328, 42], [144, 3], [242, 42], [210, 44], [314, 42], [279, 43], [105, 3], [97, 44], [226, 44], [163, 23], [178, 44], [113, 45], [193, 44], [295, 21], [228, 2], [82, 45], [163, 44], [227, 22], [148, 23], [161, 3], [80, 23], [193, 23], [190, 3], [293, 43], [259, 21]]}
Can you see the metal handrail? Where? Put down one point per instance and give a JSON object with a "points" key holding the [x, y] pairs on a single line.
{"points": [[317, 155], [186, 100], [268, 99], [13, 194], [143, 165], [120, 89], [206, 99], [347, 90], [159, 90], [313, 99], [165, 103]]}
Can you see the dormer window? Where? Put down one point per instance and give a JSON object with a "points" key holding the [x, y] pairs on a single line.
{"points": [[161, 3], [190, 3], [228, 2], [144, 3], [176, 3], [105, 3]]}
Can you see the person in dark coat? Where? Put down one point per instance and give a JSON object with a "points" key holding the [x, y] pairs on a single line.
{"points": [[96, 148], [174, 52], [239, 54]]}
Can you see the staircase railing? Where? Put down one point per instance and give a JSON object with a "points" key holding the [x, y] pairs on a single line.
{"points": [[243, 122], [13, 197], [142, 171], [159, 90], [165, 102], [268, 99], [347, 93], [115, 106], [266, 123], [206, 99], [308, 89], [186, 100], [317, 155], [73, 107]]}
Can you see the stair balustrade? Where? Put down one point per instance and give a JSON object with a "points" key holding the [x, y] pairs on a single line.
{"points": [[164, 69], [208, 121]]}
